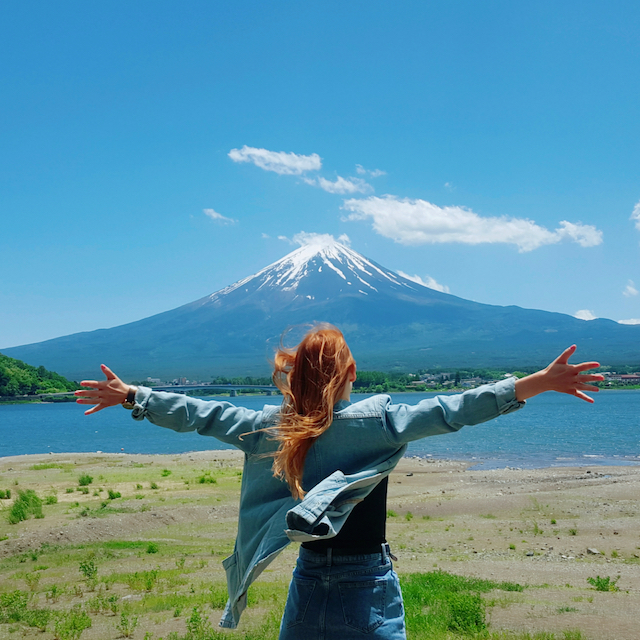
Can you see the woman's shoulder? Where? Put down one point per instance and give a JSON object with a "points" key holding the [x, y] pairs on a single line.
{"points": [[373, 406]]}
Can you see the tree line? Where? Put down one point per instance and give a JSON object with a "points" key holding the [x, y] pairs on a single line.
{"points": [[20, 379]]}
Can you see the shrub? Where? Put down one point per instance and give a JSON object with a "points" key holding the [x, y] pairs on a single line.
{"points": [[154, 485], [165, 473], [152, 547], [70, 624], [114, 494], [32, 580], [84, 480], [5, 495], [127, 623], [13, 605], [604, 583], [26, 505], [88, 568], [51, 499]]}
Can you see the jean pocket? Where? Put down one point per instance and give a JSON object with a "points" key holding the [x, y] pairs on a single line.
{"points": [[363, 603], [300, 592]]}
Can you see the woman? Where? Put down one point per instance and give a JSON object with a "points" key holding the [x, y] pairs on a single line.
{"points": [[316, 472]]}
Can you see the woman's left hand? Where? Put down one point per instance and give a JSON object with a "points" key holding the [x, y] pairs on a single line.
{"points": [[107, 393], [562, 377]]}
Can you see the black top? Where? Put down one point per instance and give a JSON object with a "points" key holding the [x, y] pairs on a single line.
{"points": [[364, 528]]}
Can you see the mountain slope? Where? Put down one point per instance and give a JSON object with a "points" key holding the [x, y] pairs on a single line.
{"points": [[390, 323]]}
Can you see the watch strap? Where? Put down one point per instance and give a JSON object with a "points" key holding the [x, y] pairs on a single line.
{"points": [[130, 402]]}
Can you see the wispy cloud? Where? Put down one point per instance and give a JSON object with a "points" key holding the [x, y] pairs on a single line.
{"points": [[584, 314], [630, 290], [414, 222], [218, 217], [636, 215], [304, 238], [373, 173], [630, 321], [281, 162], [430, 282], [341, 185]]}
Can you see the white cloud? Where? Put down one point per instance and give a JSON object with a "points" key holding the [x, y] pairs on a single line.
{"points": [[281, 162], [585, 235], [630, 321], [416, 222], [341, 185], [584, 314], [636, 215], [630, 290], [430, 282], [304, 238], [449, 186], [218, 217], [375, 173]]}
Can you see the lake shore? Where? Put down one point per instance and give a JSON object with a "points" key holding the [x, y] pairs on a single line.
{"points": [[550, 529]]}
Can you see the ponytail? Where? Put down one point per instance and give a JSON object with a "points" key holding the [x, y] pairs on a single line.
{"points": [[311, 378]]}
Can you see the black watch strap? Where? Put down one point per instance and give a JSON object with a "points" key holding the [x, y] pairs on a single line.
{"points": [[130, 402]]}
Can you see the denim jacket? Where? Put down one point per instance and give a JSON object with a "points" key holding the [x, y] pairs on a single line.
{"points": [[363, 445]]}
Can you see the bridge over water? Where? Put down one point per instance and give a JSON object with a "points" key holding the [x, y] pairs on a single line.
{"points": [[231, 388]]}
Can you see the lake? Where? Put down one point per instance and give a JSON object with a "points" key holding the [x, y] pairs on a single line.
{"points": [[552, 430]]}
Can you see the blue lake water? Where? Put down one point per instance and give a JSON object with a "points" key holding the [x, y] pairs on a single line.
{"points": [[552, 430]]}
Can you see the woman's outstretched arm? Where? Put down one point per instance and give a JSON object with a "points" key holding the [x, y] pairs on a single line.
{"points": [[560, 376], [104, 393]]}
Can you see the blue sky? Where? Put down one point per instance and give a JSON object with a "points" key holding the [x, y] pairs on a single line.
{"points": [[152, 153]]}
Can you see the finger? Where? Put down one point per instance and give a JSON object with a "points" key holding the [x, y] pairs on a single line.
{"points": [[89, 383], [584, 396], [585, 366], [89, 392], [93, 400], [98, 407], [563, 358], [588, 387], [591, 377], [107, 372]]}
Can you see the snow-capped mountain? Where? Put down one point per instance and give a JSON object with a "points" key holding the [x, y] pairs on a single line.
{"points": [[390, 323], [320, 270]]}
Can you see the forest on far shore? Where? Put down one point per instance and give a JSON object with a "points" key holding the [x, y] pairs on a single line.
{"points": [[20, 379]]}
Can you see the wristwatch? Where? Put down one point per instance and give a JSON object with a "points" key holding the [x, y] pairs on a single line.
{"points": [[130, 402]]}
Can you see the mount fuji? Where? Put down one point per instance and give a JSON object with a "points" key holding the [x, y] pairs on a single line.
{"points": [[390, 322]]}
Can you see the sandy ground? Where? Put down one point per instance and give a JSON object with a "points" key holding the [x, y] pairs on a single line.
{"points": [[549, 529]]}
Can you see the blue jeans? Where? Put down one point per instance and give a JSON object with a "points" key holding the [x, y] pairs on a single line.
{"points": [[336, 597]]}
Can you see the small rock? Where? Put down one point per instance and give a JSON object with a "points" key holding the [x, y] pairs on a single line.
{"points": [[592, 551], [529, 553]]}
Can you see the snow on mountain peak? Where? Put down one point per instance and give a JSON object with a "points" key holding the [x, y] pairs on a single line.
{"points": [[318, 252]]}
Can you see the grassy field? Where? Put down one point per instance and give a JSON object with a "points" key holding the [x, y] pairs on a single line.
{"points": [[102, 547]]}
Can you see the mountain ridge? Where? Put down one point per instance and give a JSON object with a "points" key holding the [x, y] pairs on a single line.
{"points": [[391, 323]]}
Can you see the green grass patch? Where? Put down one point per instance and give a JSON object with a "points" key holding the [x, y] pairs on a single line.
{"points": [[606, 583], [438, 603], [27, 504], [85, 479], [51, 465]]}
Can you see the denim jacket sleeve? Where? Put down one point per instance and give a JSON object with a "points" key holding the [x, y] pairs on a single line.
{"points": [[444, 414], [178, 412]]}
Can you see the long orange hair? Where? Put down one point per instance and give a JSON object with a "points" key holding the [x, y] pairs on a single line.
{"points": [[311, 378]]}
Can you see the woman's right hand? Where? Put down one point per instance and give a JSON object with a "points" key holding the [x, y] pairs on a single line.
{"points": [[107, 393]]}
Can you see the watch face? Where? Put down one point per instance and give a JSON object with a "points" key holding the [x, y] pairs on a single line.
{"points": [[128, 405]]}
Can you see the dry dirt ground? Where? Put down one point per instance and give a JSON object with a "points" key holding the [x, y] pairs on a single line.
{"points": [[548, 529]]}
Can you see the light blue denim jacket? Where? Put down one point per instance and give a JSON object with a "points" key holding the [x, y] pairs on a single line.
{"points": [[363, 445]]}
